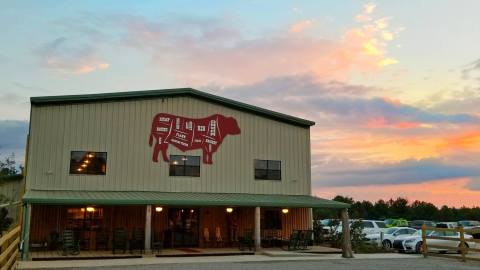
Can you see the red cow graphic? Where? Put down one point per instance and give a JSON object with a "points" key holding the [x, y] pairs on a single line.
{"points": [[187, 134]]}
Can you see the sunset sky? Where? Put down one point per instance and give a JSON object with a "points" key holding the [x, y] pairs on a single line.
{"points": [[393, 86]]}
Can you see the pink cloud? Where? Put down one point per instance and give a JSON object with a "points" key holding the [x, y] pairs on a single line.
{"points": [[452, 192]]}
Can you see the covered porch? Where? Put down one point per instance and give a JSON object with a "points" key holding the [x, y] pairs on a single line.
{"points": [[162, 222]]}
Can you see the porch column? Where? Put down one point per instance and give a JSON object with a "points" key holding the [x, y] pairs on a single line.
{"points": [[26, 230], [258, 241], [346, 241], [148, 227]]}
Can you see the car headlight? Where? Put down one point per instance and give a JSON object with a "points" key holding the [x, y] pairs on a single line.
{"points": [[409, 241]]}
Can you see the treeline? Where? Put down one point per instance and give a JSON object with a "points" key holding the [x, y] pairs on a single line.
{"points": [[400, 208]]}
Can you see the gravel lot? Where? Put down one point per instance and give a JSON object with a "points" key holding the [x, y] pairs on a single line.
{"points": [[361, 264]]}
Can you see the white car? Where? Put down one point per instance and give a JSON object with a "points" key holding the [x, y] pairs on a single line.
{"points": [[389, 235], [369, 226], [413, 243]]}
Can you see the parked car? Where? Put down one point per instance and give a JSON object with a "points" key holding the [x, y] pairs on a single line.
{"points": [[417, 224], [413, 243], [396, 222], [469, 224], [389, 235], [450, 225], [369, 226]]}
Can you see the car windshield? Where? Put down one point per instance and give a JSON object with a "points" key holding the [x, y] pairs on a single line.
{"points": [[390, 230], [381, 224]]}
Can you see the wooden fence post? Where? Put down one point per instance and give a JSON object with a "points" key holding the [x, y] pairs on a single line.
{"points": [[463, 246], [424, 241]]}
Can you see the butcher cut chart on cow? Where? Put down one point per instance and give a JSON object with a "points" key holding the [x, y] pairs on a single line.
{"points": [[188, 134]]}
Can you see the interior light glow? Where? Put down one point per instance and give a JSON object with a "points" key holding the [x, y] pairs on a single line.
{"points": [[229, 210], [285, 210], [90, 209], [158, 209]]}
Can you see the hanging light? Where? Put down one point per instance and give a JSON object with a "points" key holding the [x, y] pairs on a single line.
{"points": [[86, 161], [285, 210], [90, 155], [229, 210], [84, 165], [158, 209], [90, 209], [191, 210], [79, 169]]}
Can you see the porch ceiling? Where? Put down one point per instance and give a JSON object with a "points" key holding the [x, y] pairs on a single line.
{"points": [[175, 198]]}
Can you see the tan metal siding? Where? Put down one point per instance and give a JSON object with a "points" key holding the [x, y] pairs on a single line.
{"points": [[122, 130]]}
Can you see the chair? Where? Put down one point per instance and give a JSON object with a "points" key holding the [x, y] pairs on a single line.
{"points": [[218, 237], [138, 240], [246, 241], [157, 242], [206, 237], [69, 246], [305, 239], [119, 240], [101, 240], [294, 240]]}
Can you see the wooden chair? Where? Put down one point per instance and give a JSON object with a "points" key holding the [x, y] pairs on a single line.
{"points": [[119, 240], [206, 237], [246, 241], [138, 240], [70, 245], [218, 237], [157, 242]]}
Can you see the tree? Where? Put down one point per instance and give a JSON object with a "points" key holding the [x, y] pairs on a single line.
{"points": [[5, 221], [381, 210], [7, 166], [423, 210], [398, 207]]}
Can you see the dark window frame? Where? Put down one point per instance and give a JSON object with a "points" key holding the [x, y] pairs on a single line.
{"points": [[73, 168], [183, 169], [269, 174]]}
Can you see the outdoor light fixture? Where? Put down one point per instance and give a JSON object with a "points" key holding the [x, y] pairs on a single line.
{"points": [[158, 209], [285, 210], [175, 162], [90, 209], [229, 210], [191, 210]]}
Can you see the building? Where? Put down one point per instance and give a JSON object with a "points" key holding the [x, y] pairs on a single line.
{"points": [[182, 165]]}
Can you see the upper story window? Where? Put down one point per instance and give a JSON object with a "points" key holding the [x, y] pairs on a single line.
{"points": [[268, 169], [87, 162], [184, 165]]}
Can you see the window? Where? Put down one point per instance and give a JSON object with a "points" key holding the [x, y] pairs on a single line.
{"points": [[268, 169], [367, 224], [184, 166], [86, 162], [272, 220], [381, 224]]}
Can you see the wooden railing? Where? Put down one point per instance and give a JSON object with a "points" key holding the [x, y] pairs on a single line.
{"points": [[465, 246], [9, 249]]}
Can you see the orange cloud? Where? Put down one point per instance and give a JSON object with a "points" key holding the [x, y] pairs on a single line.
{"points": [[452, 192]]}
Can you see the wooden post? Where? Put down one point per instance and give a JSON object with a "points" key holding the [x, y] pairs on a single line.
{"points": [[148, 227], [424, 241], [463, 246], [346, 241], [258, 240], [26, 231]]}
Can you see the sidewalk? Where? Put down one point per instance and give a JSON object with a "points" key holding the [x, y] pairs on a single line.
{"points": [[212, 259]]}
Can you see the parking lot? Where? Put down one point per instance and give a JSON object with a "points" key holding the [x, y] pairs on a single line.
{"points": [[340, 264]]}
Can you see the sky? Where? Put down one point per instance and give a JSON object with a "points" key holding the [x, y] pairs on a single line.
{"points": [[393, 86]]}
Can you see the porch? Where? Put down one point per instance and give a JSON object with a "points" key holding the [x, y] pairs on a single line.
{"points": [[175, 222]]}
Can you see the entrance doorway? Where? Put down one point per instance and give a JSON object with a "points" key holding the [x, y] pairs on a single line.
{"points": [[182, 228]]}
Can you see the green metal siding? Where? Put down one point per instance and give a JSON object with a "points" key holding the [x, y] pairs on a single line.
{"points": [[119, 96], [176, 199], [122, 128]]}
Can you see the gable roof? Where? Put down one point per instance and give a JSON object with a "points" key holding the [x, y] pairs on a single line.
{"points": [[117, 96]]}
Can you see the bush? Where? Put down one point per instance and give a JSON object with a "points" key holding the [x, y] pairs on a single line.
{"points": [[5, 221]]}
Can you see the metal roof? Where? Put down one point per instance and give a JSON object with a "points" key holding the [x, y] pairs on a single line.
{"points": [[162, 93], [69, 197]]}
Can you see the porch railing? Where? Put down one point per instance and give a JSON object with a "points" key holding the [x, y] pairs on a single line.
{"points": [[466, 245], [9, 248]]}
